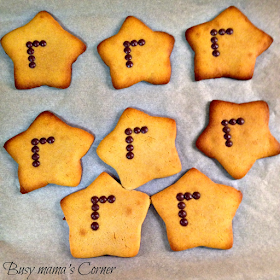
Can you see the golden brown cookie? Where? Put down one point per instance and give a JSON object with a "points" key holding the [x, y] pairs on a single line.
{"points": [[198, 212], [237, 135], [227, 46], [105, 219], [42, 53], [137, 53], [141, 148], [49, 152]]}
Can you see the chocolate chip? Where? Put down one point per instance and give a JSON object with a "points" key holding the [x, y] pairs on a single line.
{"points": [[133, 43], [36, 163], [232, 122], [222, 31], [102, 199], [184, 222], [144, 129], [182, 214], [94, 199], [95, 207], [129, 155], [111, 199], [229, 31], [32, 64], [216, 53], [137, 130], [213, 32], [31, 58], [127, 50], [181, 205], [94, 226], [196, 195], [188, 196], [141, 42], [126, 44], [128, 57], [240, 121], [180, 197], [35, 156], [129, 148], [227, 136], [229, 143], [35, 141], [128, 131], [43, 43], [50, 140], [43, 140], [29, 44], [214, 46], [30, 51], [36, 43], [95, 215], [35, 149], [214, 40], [129, 64], [128, 139], [226, 129], [224, 122]]}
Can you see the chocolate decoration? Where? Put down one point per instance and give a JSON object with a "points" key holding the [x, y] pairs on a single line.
{"points": [[137, 130], [129, 64], [128, 57], [29, 44], [240, 121], [35, 149], [144, 129], [111, 199], [32, 64], [182, 214], [128, 131], [95, 215], [30, 51], [133, 43], [36, 163], [229, 31], [227, 136], [127, 50], [181, 205], [229, 143], [95, 207], [128, 139], [224, 122], [188, 196], [222, 31], [183, 222], [214, 46], [196, 195], [180, 197], [129, 155], [215, 53], [226, 129], [232, 122], [43, 141], [51, 140], [35, 141], [36, 43], [129, 148], [141, 42], [214, 40], [31, 58], [126, 44], [102, 199], [94, 226], [94, 199], [43, 43], [213, 32], [35, 156]]}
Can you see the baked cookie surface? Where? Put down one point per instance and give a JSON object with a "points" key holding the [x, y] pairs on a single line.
{"points": [[49, 152], [42, 53], [105, 219], [237, 135], [141, 148], [137, 53], [198, 212], [227, 46]]}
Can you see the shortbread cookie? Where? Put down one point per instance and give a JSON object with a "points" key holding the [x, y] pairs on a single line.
{"points": [[237, 135], [141, 148], [198, 212], [227, 46], [42, 53], [49, 152], [137, 53], [105, 219]]}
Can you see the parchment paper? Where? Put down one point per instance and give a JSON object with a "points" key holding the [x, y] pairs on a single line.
{"points": [[32, 231]]}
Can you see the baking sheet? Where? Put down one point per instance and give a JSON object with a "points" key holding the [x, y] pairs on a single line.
{"points": [[32, 231]]}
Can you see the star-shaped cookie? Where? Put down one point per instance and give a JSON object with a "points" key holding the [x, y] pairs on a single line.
{"points": [[42, 53], [198, 212], [105, 219], [227, 46], [141, 148], [237, 135], [49, 152], [137, 53]]}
